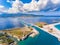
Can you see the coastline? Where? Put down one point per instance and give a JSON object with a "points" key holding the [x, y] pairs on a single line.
{"points": [[51, 29], [32, 33], [35, 32]]}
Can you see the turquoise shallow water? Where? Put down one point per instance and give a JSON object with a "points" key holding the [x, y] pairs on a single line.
{"points": [[42, 39], [58, 26]]}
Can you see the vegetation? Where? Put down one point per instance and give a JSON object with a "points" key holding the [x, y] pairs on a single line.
{"points": [[19, 32], [40, 24], [5, 40]]}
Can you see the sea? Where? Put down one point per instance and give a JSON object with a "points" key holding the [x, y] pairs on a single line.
{"points": [[43, 38]]}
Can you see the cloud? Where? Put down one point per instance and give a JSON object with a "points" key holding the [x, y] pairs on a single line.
{"points": [[8, 1], [53, 9], [33, 6], [2, 9], [18, 6], [55, 1], [1, 6], [42, 3]]}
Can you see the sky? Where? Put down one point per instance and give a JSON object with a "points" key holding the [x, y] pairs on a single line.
{"points": [[16, 6], [5, 3]]}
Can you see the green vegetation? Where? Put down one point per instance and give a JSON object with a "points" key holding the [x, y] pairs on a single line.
{"points": [[10, 40], [18, 33], [4, 39]]}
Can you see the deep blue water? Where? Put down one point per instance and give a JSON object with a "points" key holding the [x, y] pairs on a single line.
{"points": [[58, 26]]}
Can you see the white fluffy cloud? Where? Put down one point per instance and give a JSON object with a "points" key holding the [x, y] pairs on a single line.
{"points": [[33, 6], [18, 6], [55, 1], [42, 3], [2, 9]]}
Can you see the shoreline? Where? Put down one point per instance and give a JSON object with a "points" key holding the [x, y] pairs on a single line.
{"points": [[33, 33], [55, 32]]}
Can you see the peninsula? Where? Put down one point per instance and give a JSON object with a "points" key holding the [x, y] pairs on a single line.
{"points": [[21, 33]]}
